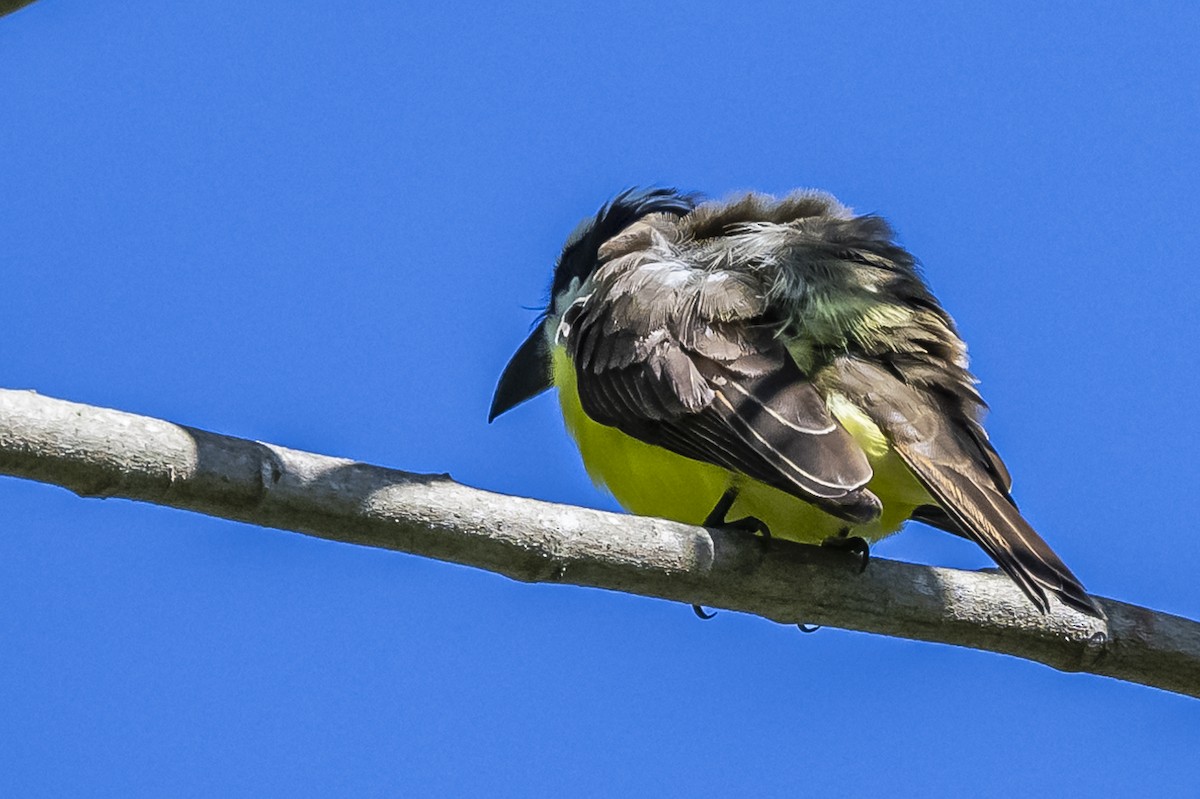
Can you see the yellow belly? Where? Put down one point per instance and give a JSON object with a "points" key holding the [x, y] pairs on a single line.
{"points": [[652, 481]]}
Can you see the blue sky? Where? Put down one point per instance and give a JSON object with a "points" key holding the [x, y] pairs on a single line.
{"points": [[317, 225]]}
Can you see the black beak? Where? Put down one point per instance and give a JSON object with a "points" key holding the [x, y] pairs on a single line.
{"points": [[526, 376]]}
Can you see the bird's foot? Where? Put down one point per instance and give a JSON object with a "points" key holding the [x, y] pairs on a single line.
{"points": [[850, 543], [749, 524]]}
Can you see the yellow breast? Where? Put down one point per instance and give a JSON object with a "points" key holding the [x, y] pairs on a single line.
{"points": [[652, 481]]}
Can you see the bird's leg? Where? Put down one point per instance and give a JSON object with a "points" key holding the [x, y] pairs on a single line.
{"points": [[749, 524], [850, 543], [716, 516]]}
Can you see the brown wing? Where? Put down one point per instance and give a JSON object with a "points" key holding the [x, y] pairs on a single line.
{"points": [[965, 476], [676, 355]]}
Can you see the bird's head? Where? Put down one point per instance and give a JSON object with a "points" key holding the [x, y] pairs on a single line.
{"points": [[528, 372]]}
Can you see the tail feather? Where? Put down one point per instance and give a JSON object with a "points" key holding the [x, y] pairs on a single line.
{"points": [[987, 517], [946, 450]]}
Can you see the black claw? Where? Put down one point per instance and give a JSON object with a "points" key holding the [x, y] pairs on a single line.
{"points": [[853, 544], [702, 613], [808, 628], [751, 524]]}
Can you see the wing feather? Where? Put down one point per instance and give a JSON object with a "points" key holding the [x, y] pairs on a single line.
{"points": [[661, 354]]}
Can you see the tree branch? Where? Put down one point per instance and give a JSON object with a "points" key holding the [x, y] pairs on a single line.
{"points": [[97, 452], [9, 6]]}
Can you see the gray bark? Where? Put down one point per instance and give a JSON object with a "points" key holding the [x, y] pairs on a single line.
{"points": [[97, 452]]}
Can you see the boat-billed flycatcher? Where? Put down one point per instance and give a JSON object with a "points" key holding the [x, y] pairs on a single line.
{"points": [[777, 361]]}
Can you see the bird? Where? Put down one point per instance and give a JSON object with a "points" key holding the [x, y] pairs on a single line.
{"points": [[773, 364]]}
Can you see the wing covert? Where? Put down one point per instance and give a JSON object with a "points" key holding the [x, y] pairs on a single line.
{"points": [[678, 355]]}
